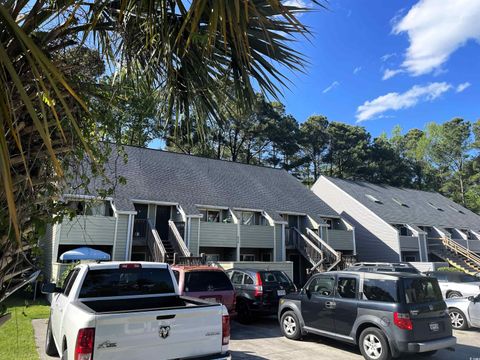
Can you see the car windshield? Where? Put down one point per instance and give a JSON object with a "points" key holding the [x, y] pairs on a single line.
{"points": [[421, 290], [200, 281], [123, 282]]}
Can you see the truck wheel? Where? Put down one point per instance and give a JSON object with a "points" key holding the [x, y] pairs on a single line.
{"points": [[454, 294], [244, 315], [457, 317], [50, 348], [373, 345], [290, 325]]}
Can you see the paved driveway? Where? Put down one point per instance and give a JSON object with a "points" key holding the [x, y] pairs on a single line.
{"points": [[263, 340]]}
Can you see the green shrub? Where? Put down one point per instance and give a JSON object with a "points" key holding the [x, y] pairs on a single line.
{"points": [[446, 268]]}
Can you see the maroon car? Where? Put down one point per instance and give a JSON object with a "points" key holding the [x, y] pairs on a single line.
{"points": [[205, 282]]}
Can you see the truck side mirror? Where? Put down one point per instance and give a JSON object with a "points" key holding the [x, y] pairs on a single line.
{"points": [[50, 288], [471, 298]]}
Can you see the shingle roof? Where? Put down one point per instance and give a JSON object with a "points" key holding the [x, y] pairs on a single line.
{"points": [[190, 180], [419, 207]]}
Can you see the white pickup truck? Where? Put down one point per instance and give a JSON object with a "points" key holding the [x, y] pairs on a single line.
{"points": [[132, 311]]}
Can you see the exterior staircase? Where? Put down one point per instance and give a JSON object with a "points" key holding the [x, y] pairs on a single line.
{"points": [[458, 256], [321, 256], [166, 250]]}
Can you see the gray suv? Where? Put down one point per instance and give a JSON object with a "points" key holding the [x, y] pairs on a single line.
{"points": [[384, 314]]}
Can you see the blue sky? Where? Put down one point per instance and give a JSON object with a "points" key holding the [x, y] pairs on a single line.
{"points": [[380, 63]]}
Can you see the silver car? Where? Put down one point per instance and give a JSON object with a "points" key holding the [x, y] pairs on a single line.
{"points": [[456, 284], [464, 312]]}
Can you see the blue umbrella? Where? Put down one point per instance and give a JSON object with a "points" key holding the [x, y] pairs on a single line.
{"points": [[84, 253]]}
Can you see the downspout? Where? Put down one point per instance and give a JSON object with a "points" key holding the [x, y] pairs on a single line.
{"points": [[115, 237], [239, 241], [354, 241], [129, 238], [198, 236], [274, 244], [284, 251], [189, 231]]}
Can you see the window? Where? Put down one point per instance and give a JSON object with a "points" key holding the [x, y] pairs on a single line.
{"points": [[210, 215], [248, 280], [226, 217], [237, 277], [347, 287], [421, 290], [123, 282], [373, 198], [247, 257], [274, 277], [200, 281], [380, 290], [247, 218], [176, 273], [91, 208], [322, 285], [69, 280]]}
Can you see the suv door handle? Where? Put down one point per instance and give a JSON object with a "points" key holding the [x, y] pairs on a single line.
{"points": [[330, 304]]}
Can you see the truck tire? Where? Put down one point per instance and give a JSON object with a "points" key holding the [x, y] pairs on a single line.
{"points": [[374, 345], [290, 325], [50, 348], [458, 319]]}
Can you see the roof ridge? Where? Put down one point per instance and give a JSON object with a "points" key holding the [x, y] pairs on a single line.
{"points": [[198, 156]]}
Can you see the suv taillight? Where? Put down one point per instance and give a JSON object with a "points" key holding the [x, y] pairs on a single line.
{"points": [[402, 320], [259, 286], [225, 329], [84, 346]]}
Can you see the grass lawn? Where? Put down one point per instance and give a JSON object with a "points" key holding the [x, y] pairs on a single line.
{"points": [[16, 335]]}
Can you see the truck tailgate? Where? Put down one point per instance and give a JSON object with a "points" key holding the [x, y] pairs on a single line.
{"points": [[179, 332]]}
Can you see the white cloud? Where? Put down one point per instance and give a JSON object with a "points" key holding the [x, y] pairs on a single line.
{"points": [[436, 29], [389, 73], [396, 101], [332, 86], [357, 70], [297, 3], [387, 56], [463, 87]]}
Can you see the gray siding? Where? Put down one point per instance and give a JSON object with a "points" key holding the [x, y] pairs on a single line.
{"points": [[340, 239], [256, 236], [278, 242], [192, 235], [95, 230], [218, 234], [122, 234], [375, 239], [409, 243]]}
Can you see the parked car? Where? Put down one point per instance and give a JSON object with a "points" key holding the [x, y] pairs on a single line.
{"points": [[258, 291], [132, 311], [383, 267], [384, 314], [464, 312], [456, 284], [205, 282]]}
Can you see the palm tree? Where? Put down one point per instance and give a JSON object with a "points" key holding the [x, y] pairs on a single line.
{"points": [[182, 48]]}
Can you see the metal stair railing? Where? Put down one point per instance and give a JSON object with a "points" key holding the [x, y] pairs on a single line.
{"points": [[332, 253], [178, 242], [155, 244], [309, 250], [459, 249]]}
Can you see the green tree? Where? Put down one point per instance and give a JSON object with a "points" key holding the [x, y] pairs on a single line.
{"points": [[449, 148], [314, 141]]}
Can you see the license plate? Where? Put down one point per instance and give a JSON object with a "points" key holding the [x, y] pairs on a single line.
{"points": [[281, 292], [434, 327]]}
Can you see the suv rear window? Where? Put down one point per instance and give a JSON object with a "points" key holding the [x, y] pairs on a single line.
{"points": [[421, 290], [274, 277], [123, 282], [199, 281], [380, 290]]}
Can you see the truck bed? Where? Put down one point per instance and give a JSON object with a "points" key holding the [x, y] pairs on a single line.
{"points": [[141, 304]]}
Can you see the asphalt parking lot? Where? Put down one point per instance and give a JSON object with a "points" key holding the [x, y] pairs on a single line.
{"points": [[263, 340]]}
